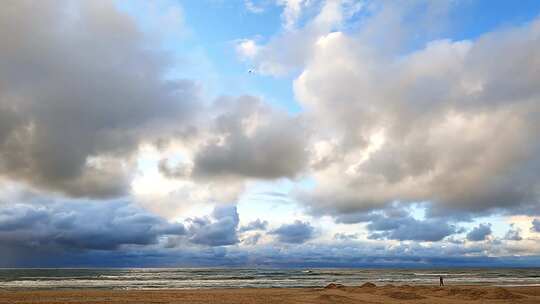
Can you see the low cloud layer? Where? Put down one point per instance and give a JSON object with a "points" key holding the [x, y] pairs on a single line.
{"points": [[408, 228], [397, 222], [217, 230], [479, 233], [360, 254], [85, 225], [255, 225], [296, 233], [59, 232]]}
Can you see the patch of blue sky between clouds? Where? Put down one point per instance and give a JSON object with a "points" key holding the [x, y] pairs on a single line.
{"points": [[204, 49], [269, 200], [476, 18]]}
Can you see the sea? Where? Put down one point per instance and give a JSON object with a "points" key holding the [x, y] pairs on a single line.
{"points": [[195, 278]]}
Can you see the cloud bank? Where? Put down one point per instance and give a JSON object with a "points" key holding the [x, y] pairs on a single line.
{"points": [[445, 124]]}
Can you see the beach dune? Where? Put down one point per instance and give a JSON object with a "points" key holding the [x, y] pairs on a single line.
{"points": [[333, 294]]}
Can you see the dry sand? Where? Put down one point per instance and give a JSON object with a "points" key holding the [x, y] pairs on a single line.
{"points": [[333, 294]]}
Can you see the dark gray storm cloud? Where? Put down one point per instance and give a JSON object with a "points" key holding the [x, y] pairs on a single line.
{"points": [[395, 222], [219, 229], [305, 255], [479, 233], [84, 225], [408, 228], [296, 233], [38, 232], [255, 225], [80, 88]]}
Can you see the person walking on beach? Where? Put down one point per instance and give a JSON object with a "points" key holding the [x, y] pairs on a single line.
{"points": [[441, 281]]}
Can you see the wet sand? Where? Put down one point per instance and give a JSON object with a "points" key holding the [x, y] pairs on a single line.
{"points": [[334, 294]]}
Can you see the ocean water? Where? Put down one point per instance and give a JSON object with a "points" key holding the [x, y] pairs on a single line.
{"points": [[181, 278]]}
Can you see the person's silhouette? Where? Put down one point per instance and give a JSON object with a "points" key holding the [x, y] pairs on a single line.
{"points": [[441, 282]]}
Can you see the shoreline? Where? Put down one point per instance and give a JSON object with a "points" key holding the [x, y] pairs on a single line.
{"points": [[333, 293], [396, 284]]}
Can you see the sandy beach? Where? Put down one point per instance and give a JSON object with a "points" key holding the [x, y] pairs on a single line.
{"points": [[335, 294]]}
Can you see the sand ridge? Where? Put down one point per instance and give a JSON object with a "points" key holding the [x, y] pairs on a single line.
{"points": [[333, 293]]}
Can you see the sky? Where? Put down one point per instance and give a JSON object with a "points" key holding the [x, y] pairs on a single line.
{"points": [[270, 133]]}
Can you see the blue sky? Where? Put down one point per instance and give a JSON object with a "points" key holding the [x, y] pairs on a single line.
{"points": [[264, 133], [209, 31]]}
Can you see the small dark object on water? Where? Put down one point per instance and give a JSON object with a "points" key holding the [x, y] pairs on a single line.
{"points": [[441, 281]]}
